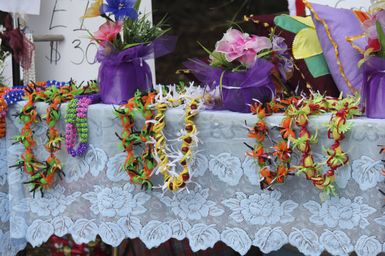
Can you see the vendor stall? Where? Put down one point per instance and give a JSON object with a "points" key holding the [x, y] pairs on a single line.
{"points": [[279, 140]]}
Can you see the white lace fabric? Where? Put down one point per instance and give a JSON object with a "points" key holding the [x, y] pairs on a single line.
{"points": [[223, 203]]}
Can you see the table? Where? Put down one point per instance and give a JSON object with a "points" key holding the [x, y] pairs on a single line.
{"points": [[223, 203]]}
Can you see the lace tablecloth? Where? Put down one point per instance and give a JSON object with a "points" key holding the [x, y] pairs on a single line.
{"points": [[223, 203]]}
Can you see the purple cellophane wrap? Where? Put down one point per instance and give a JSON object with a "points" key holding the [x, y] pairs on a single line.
{"points": [[373, 91], [121, 74], [239, 89]]}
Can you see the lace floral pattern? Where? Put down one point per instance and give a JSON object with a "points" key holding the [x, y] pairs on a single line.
{"points": [[260, 209], [340, 212], [223, 202], [192, 205], [116, 201]]}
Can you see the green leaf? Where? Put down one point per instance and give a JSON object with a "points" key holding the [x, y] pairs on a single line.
{"points": [[137, 5], [205, 49], [217, 59], [132, 45], [381, 37]]}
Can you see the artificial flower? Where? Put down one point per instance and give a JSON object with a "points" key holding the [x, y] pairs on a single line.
{"points": [[93, 10], [253, 46], [279, 45], [236, 45], [370, 28], [107, 32], [121, 9], [232, 44]]}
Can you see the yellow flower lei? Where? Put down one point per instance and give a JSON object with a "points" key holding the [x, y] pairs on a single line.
{"points": [[173, 181]]}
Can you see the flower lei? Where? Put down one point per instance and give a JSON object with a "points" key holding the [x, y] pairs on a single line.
{"points": [[343, 110], [139, 169], [163, 103], [298, 111], [172, 180], [259, 133], [77, 124], [42, 174]]}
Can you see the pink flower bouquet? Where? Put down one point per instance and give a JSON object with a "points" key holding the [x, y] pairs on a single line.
{"points": [[241, 70]]}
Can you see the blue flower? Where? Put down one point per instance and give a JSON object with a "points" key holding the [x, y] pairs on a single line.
{"points": [[121, 9]]}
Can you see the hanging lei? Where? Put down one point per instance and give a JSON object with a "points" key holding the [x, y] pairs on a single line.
{"points": [[343, 110], [163, 102], [259, 132], [77, 124], [172, 180], [42, 174], [29, 116], [139, 169], [45, 178], [282, 150], [301, 113]]}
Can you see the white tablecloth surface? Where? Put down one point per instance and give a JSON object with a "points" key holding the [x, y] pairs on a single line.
{"points": [[223, 203]]}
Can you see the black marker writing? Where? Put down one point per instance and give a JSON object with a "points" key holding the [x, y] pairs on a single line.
{"points": [[51, 26]]}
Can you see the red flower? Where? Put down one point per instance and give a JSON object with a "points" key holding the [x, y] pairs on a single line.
{"points": [[374, 44]]}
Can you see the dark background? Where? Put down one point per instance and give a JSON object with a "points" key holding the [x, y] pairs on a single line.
{"points": [[203, 21]]}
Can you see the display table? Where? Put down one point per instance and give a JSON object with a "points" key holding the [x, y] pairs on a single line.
{"points": [[223, 202]]}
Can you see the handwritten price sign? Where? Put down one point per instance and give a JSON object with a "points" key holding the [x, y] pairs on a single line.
{"points": [[75, 56]]}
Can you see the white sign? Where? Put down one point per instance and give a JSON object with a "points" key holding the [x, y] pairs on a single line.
{"points": [[75, 56], [346, 4], [21, 6]]}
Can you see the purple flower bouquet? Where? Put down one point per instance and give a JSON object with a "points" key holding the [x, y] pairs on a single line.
{"points": [[127, 40], [373, 89]]}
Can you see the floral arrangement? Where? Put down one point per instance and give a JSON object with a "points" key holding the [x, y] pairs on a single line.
{"points": [[374, 61], [238, 51], [275, 165], [243, 67], [127, 39], [125, 27]]}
